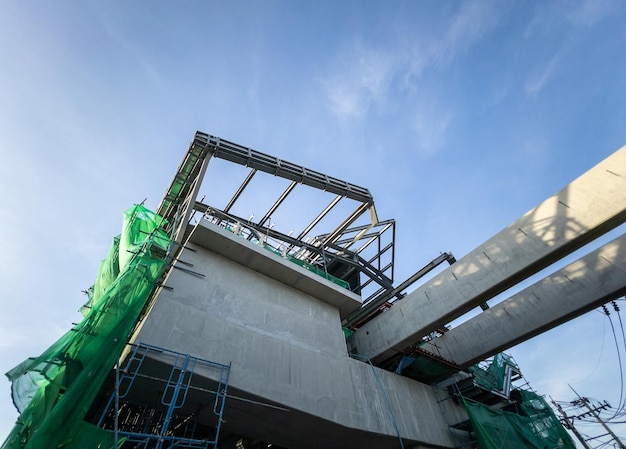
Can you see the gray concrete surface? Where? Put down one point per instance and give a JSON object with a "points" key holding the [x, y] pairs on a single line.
{"points": [[590, 206], [581, 286], [257, 258], [287, 349]]}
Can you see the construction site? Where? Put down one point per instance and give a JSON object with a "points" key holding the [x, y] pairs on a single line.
{"points": [[208, 327]]}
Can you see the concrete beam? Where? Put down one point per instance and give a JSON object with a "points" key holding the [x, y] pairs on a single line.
{"points": [[590, 206], [581, 286]]}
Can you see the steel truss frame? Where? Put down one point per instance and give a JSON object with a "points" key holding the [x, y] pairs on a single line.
{"points": [[180, 201]]}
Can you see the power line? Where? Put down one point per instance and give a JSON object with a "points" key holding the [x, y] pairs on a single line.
{"points": [[619, 357], [594, 412], [570, 425], [621, 325]]}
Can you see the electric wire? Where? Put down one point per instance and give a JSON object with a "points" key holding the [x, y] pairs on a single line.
{"points": [[622, 405], [619, 359], [600, 353], [608, 414]]}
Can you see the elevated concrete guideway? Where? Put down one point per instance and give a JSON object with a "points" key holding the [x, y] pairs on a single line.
{"points": [[581, 286], [590, 206]]}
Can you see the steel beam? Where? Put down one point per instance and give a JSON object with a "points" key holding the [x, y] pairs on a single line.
{"points": [[230, 151]]}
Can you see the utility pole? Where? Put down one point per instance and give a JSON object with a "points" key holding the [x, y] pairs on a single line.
{"points": [[570, 425], [593, 412]]}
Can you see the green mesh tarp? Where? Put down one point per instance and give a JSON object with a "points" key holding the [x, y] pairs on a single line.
{"points": [[423, 369], [54, 391], [535, 428], [309, 267], [303, 264], [493, 377]]}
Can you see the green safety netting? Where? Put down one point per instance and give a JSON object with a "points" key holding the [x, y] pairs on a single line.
{"points": [[493, 377], [312, 268], [536, 427], [309, 267], [54, 391], [424, 369], [319, 272]]}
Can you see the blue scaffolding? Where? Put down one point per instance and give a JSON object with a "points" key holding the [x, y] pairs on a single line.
{"points": [[153, 430]]}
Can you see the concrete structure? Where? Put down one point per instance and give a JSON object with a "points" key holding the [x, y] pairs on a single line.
{"points": [[580, 287], [590, 206], [283, 337], [270, 306]]}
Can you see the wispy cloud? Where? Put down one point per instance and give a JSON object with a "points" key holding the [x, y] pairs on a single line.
{"points": [[116, 34], [541, 76], [431, 128], [468, 26], [365, 74], [360, 80], [585, 13], [590, 12]]}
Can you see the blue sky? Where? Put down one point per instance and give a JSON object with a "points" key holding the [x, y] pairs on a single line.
{"points": [[458, 116]]}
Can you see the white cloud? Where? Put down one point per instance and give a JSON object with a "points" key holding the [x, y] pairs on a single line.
{"points": [[468, 26], [363, 79], [365, 76], [541, 76], [431, 128], [549, 16], [590, 12]]}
